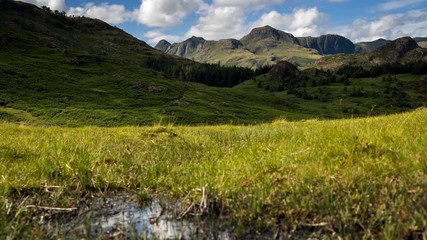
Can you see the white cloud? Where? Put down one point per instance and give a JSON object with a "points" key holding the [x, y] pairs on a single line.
{"points": [[397, 4], [220, 22], [155, 36], [112, 14], [301, 22], [247, 3], [166, 13], [52, 4], [392, 26]]}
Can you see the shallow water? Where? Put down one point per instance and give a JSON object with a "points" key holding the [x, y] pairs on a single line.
{"points": [[122, 216]]}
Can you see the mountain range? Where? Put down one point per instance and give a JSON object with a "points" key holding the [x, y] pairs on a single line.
{"points": [[267, 46], [401, 50]]}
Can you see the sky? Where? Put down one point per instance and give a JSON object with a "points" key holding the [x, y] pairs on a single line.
{"points": [[177, 20]]}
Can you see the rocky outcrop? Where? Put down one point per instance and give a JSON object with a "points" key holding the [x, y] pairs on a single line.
{"points": [[285, 72], [253, 48], [266, 38], [422, 41], [267, 32], [402, 49], [328, 44], [366, 47], [187, 47], [163, 45], [229, 44]]}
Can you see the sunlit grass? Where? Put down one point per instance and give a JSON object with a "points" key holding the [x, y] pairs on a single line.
{"points": [[351, 178]]}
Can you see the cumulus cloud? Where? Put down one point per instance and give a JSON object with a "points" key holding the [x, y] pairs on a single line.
{"points": [[397, 4], [166, 13], [112, 14], [392, 26], [246, 3], [301, 22], [220, 22], [52, 4], [155, 36]]}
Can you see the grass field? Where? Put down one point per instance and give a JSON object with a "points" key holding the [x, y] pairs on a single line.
{"points": [[356, 178]]}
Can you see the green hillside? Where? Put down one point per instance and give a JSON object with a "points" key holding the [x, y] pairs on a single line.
{"points": [[80, 71], [57, 70], [215, 53], [330, 95], [402, 50], [262, 46], [231, 52]]}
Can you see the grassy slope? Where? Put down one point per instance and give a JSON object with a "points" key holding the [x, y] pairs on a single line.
{"points": [[111, 93], [336, 100], [379, 56], [91, 74], [213, 53], [108, 94], [352, 178]]}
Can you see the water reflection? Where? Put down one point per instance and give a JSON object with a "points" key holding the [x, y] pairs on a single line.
{"points": [[121, 216]]}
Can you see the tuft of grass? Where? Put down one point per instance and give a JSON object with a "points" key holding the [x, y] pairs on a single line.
{"points": [[355, 178]]}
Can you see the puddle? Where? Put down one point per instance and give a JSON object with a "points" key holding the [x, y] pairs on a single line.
{"points": [[123, 217]]}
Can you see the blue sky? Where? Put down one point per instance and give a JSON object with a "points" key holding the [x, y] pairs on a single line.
{"points": [[176, 20]]}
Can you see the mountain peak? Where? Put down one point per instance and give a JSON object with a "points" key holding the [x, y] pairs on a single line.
{"points": [[268, 32], [266, 27], [263, 38], [401, 49], [186, 47], [366, 47], [163, 45], [406, 42], [285, 72], [399, 46], [194, 38]]}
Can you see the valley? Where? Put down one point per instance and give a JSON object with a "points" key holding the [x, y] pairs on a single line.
{"points": [[271, 136]]}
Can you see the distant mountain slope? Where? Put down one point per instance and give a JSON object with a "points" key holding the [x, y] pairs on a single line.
{"points": [[25, 25], [163, 45], [262, 46], [328, 44], [187, 47], [422, 41], [76, 71], [400, 50], [264, 38], [72, 71], [366, 47]]}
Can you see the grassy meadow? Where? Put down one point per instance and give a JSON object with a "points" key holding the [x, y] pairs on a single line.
{"points": [[345, 179]]}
